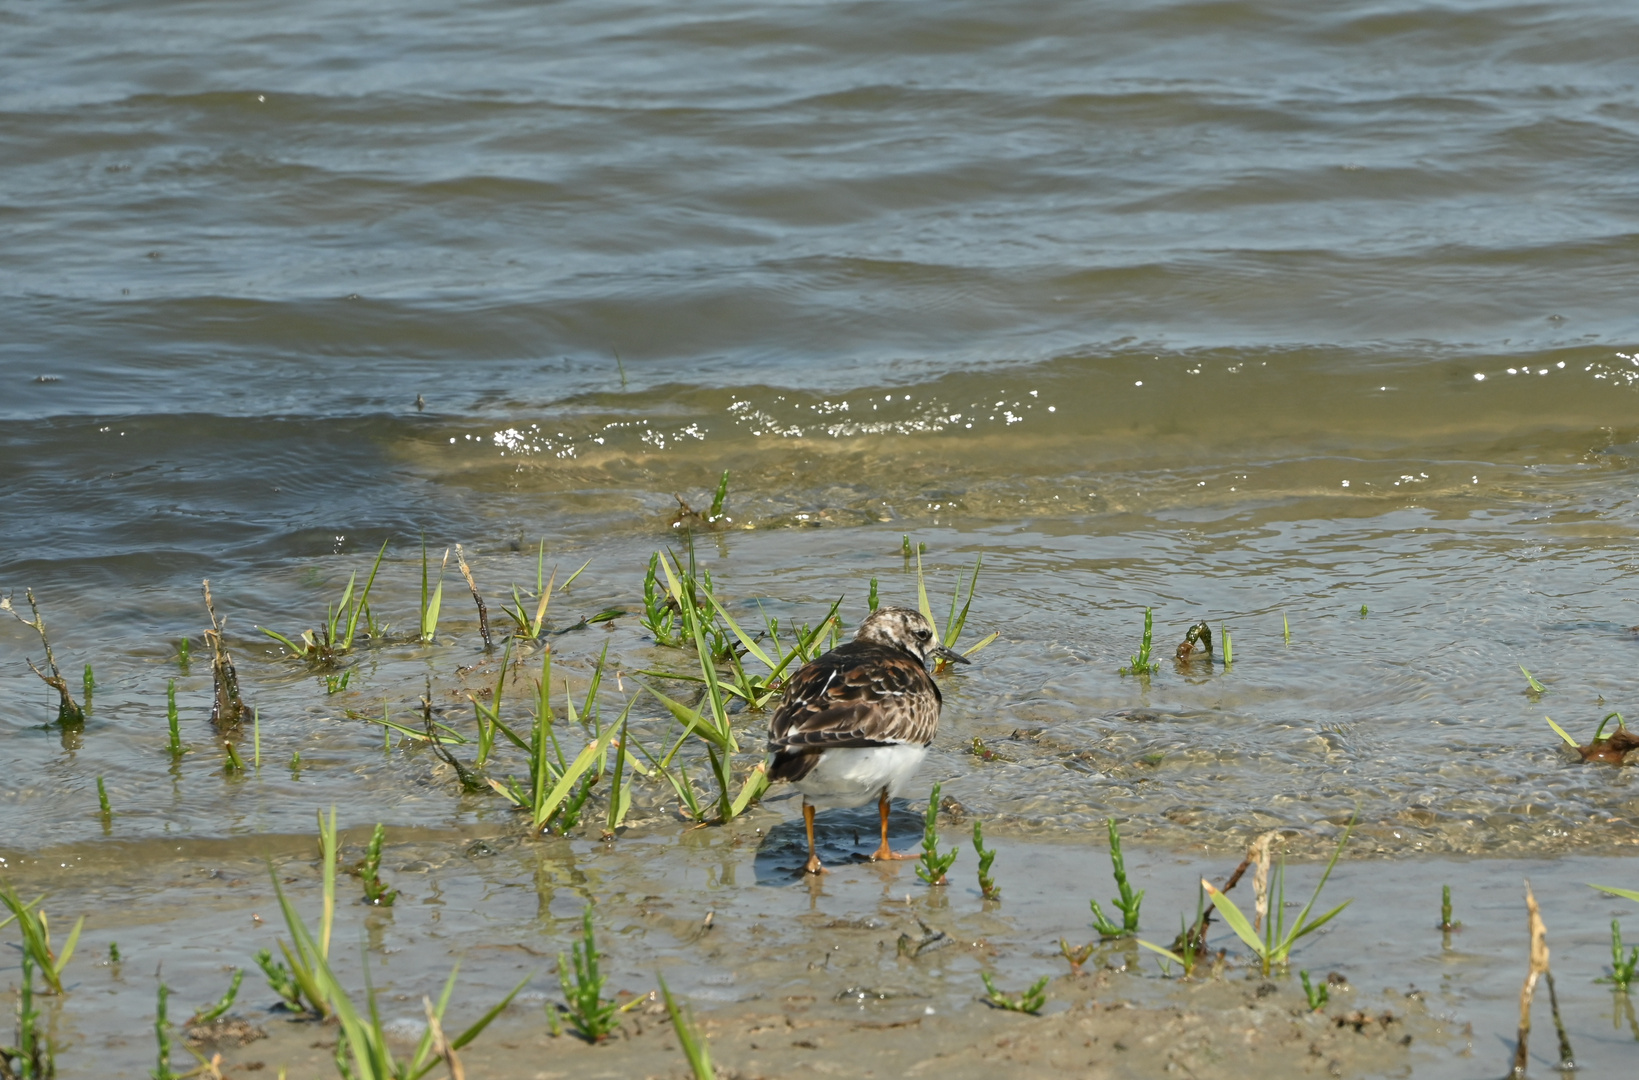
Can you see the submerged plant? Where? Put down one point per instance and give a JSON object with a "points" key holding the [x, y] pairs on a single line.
{"points": [[1031, 1001], [987, 884], [1140, 663], [688, 1036], [582, 987], [1274, 945], [931, 866], [1076, 954], [1127, 902], [35, 930], [32, 1056]]}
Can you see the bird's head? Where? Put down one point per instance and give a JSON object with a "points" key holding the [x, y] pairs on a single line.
{"points": [[902, 628]]}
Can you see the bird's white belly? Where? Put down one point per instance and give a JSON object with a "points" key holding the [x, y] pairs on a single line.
{"points": [[854, 775]]}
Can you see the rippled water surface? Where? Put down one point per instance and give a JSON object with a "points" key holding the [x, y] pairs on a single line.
{"points": [[1300, 319]]}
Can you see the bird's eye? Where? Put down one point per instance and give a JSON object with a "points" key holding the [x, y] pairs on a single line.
{"points": [[924, 635]]}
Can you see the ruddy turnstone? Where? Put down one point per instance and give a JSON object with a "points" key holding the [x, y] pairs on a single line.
{"points": [[857, 721]]}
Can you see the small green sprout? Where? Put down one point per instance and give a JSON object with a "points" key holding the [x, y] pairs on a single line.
{"points": [[182, 656], [1285, 628], [207, 1014], [1318, 995], [375, 890], [176, 747], [1622, 968], [987, 884], [1531, 681], [162, 1036], [582, 987], [1031, 1001], [102, 800], [931, 867], [1127, 903], [1363, 611], [431, 602], [1076, 954], [1445, 910], [715, 514], [1141, 663], [1274, 945], [871, 598], [1229, 647], [113, 954], [90, 684]]}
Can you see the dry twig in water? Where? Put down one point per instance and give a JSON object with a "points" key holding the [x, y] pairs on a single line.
{"points": [[226, 707], [68, 710], [1527, 992], [483, 613]]}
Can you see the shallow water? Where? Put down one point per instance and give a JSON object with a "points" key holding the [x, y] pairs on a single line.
{"points": [[1245, 312]]}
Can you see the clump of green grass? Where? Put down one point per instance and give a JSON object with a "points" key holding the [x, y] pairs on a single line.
{"points": [[688, 1036], [1273, 946], [1031, 1001], [335, 636], [335, 684], [987, 884], [948, 634], [299, 984], [592, 1016], [208, 1014], [1190, 942], [376, 891], [1140, 663], [660, 612], [69, 713], [931, 867], [1317, 995], [1128, 902], [32, 1057], [35, 930]]}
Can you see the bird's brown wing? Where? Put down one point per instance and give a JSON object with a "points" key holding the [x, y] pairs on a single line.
{"points": [[861, 694]]}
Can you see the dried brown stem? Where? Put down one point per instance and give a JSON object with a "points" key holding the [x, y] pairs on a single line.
{"points": [[440, 1045], [69, 712], [227, 707], [483, 613], [1527, 991]]}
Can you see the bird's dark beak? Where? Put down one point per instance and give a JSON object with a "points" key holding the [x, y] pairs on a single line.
{"points": [[942, 653]]}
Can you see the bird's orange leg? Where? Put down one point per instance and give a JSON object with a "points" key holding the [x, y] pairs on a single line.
{"points": [[813, 866], [886, 852]]}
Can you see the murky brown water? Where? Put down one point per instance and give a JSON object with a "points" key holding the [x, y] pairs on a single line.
{"points": [[1282, 317]]}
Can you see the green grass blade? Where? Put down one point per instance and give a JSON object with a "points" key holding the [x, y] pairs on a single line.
{"points": [[745, 639], [1234, 919], [689, 718], [281, 639], [589, 755], [1168, 953], [68, 947], [922, 604], [1626, 894], [1562, 733], [1305, 929], [364, 598]]}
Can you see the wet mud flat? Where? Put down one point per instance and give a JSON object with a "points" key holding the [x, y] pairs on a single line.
{"points": [[865, 971]]}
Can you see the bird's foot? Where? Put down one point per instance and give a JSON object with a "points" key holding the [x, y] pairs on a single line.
{"points": [[884, 853], [814, 867]]}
